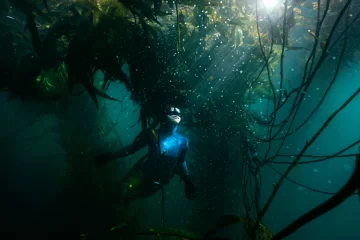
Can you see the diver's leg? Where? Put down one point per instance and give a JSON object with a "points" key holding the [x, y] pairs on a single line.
{"points": [[125, 191], [125, 195], [143, 188], [135, 185], [147, 189], [131, 186]]}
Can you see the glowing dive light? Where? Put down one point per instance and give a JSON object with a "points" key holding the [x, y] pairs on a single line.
{"points": [[270, 3]]}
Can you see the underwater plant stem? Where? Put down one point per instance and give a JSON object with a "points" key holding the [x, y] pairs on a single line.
{"points": [[163, 205], [343, 32], [345, 192], [311, 58], [244, 175], [288, 133], [327, 90], [306, 83], [322, 158], [291, 123], [324, 53], [307, 145], [263, 52], [268, 70], [317, 33], [178, 25], [282, 54], [302, 185], [257, 190]]}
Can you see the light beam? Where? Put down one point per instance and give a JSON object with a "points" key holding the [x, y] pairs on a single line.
{"points": [[270, 4]]}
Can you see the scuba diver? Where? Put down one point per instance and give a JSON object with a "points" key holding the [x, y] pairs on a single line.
{"points": [[166, 156]]}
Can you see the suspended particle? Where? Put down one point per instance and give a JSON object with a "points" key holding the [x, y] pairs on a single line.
{"points": [[347, 167]]}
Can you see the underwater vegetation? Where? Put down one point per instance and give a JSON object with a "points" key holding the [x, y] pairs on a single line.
{"points": [[219, 60], [124, 230]]}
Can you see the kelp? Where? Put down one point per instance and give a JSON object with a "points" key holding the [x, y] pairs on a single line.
{"points": [[28, 7], [89, 29], [124, 230], [249, 224], [87, 37], [51, 83]]}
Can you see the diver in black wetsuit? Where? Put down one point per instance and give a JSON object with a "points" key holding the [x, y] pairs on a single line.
{"points": [[166, 156]]}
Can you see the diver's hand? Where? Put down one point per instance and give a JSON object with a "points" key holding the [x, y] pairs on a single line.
{"points": [[190, 189], [101, 159]]}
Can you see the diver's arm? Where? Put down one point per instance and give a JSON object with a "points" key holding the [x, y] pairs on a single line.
{"points": [[140, 141], [182, 166], [184, 175]]}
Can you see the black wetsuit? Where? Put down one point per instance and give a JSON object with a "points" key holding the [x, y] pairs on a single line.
{"points": [[166, 156]]}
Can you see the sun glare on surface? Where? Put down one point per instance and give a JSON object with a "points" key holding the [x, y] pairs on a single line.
{"points": [[270, 3]]}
